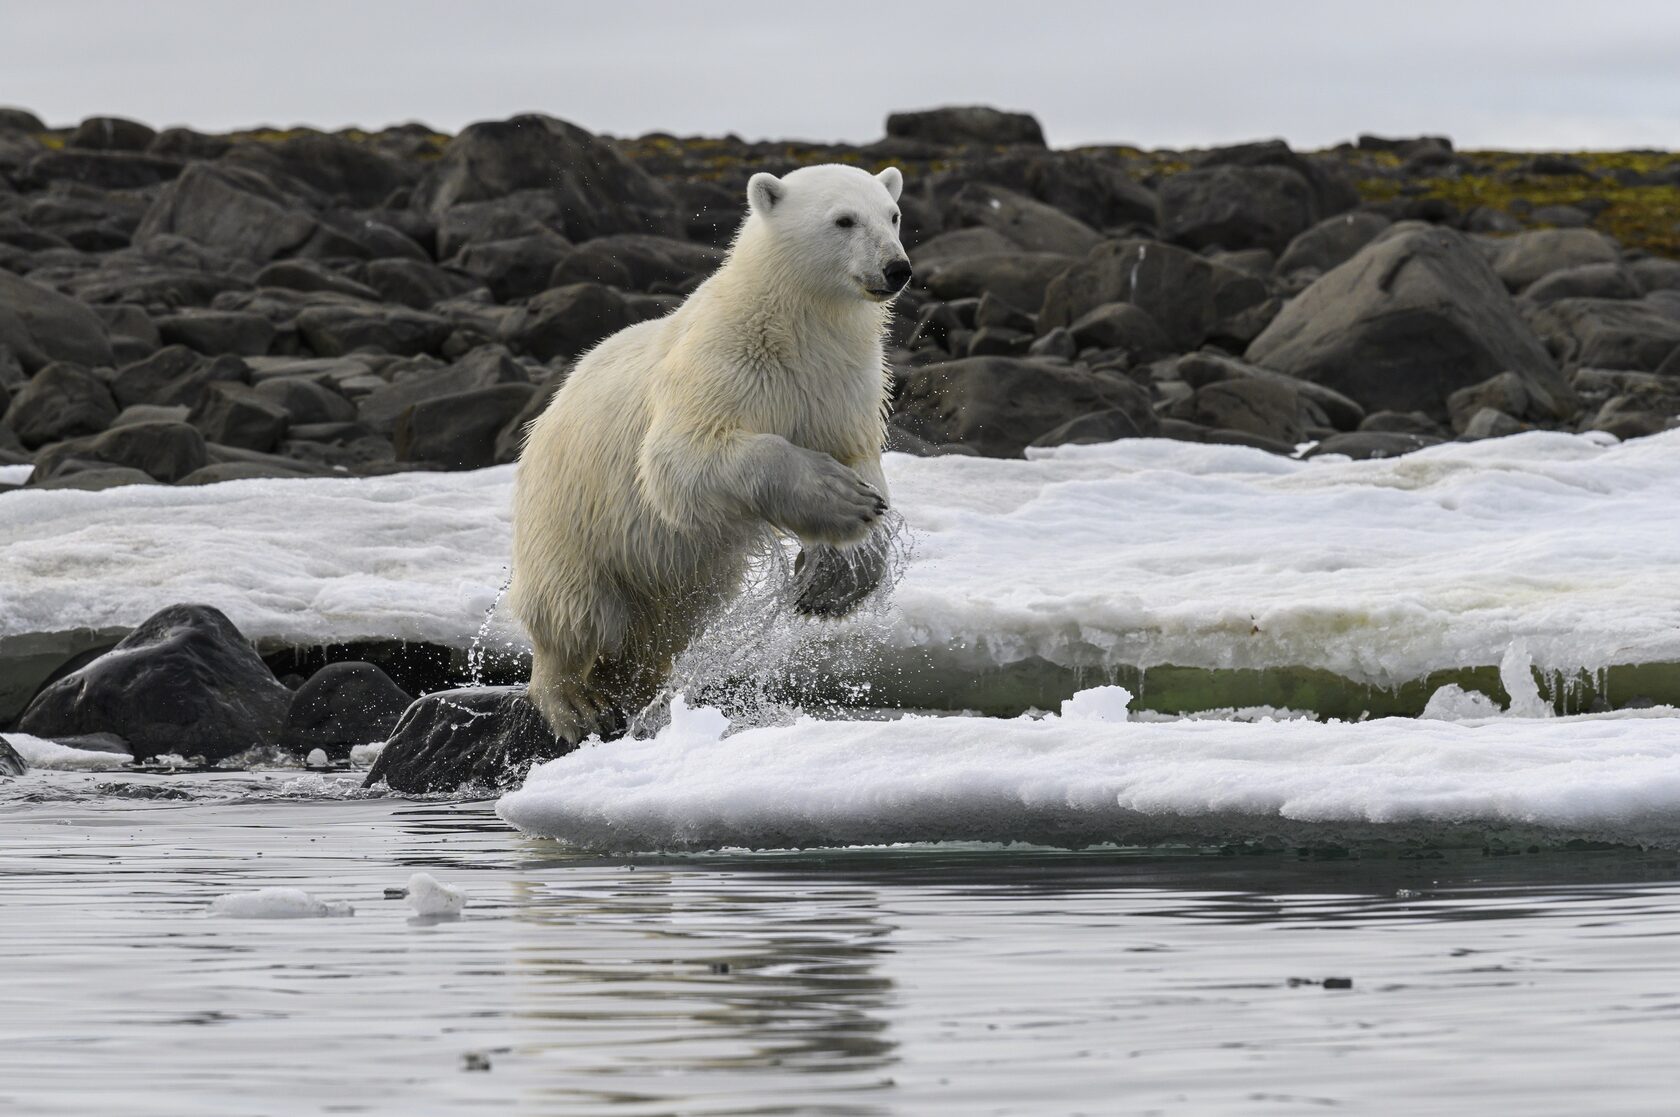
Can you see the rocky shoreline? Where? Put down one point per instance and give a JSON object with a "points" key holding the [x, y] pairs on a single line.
{"points": [[184, 308]]}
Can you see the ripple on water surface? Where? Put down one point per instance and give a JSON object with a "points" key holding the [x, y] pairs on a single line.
{"points": [[911, 981]]}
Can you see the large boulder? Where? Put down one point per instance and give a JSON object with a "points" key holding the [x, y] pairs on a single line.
{"points": [[1028, 224], [336, 329], [1524, 258], [966, 124], [232, 210], [39, 325], [1236, 207], [484, 737], [1331, 243], [1000, 405], [564, 321], [185, 681], [341, 706], [1018, 278], [61, 401], [162, 450], [354, 174], [1194, 300], [111, 133], [1088, 187], [459, 431], [1415, 316], [484, 367], [598, 190]]}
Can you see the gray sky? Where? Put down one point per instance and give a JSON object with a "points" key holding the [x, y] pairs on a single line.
{"points": [[1534, 74]]}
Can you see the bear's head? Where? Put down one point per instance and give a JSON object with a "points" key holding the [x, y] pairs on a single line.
{"points": [[835, 227]]}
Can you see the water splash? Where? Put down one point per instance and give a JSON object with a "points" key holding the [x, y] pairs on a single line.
{"points": [[753, 659], [477, 653]]}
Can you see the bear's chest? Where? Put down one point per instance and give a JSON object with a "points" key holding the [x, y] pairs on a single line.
{"points": [[832, 405]]}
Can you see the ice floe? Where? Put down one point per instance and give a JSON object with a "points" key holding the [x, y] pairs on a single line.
{"points": [[277, 903]]}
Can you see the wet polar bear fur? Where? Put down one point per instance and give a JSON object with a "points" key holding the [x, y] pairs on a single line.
{"points": [[675, 445]]}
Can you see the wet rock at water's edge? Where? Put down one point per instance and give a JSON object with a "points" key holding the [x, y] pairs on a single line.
{"points": [[475, 736]]}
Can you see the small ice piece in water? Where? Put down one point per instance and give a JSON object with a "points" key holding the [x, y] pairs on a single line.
{"points": [[1515, 671], [317, 758], [1453, 703], [1098, 703], [277, 903], [428, 896]]}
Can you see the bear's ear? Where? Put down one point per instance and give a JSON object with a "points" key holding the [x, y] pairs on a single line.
{"points": [[893, 181], [764, 190]]}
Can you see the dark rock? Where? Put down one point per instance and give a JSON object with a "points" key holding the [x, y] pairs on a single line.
{"points": [[999, 405], [188, 387], [515, 268], [1561, 216], [19, 120], [1058, 343], [107, 170], [1524, 258], [999, 314], [355, 174], [39, 326], [1087, 187], [236, 415], [217, 472], [1099, 426], [945, 248], [185, 681], [1332, 188], [11, 764], [1589, 281], [1268, 408], [475, 736], [232, 210], [308, 275], [483, 367], [1507, 393], [61, 401], [564, 321], [1192, 299], [91, 477], [598, 191], [1325, 405], [1362, 445], [134, 336], [111, 133], [305, 401], [343, 705], [644, 262], [218, 331], [184, 143], [1489, 422], [459, 431], [151, 413], [414, 283], [1653, 273], [1236, 207], [1635, 416], [1608, 333], [995, 341], [332, 331], [523, 213], [1401, 422], [163, 451], [1021, 278], [966, 124], [1331, 243], [1415, 316], [1028, 224], [1120, 326]]}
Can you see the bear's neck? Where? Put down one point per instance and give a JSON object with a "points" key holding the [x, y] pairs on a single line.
{"points": [[758, 294]]}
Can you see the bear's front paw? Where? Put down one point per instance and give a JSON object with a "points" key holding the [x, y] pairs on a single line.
{"points": [[833, 581], [834, 505]]}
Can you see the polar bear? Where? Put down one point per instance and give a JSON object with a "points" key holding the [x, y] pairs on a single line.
{"points": [[676, 445]]}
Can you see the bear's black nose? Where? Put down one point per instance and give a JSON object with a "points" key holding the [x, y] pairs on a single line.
{"points": [[897, 274]]}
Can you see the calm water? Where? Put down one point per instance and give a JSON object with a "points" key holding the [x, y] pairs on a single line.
{"points": [[911, 981]]}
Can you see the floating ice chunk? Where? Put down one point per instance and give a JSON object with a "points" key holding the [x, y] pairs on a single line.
{"points": [[1517, 675], [1453, 703], [1099, 703], [277, 903], [1075, 782], [428, 896], [317, 758]]}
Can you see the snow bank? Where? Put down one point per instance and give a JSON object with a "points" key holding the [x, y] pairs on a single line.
{"points": [[38, 752], [277, 903], [1133, 553], [1080, 780]]}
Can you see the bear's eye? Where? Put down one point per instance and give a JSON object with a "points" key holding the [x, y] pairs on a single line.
{"points": [[895, 219], [844, 222]]}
